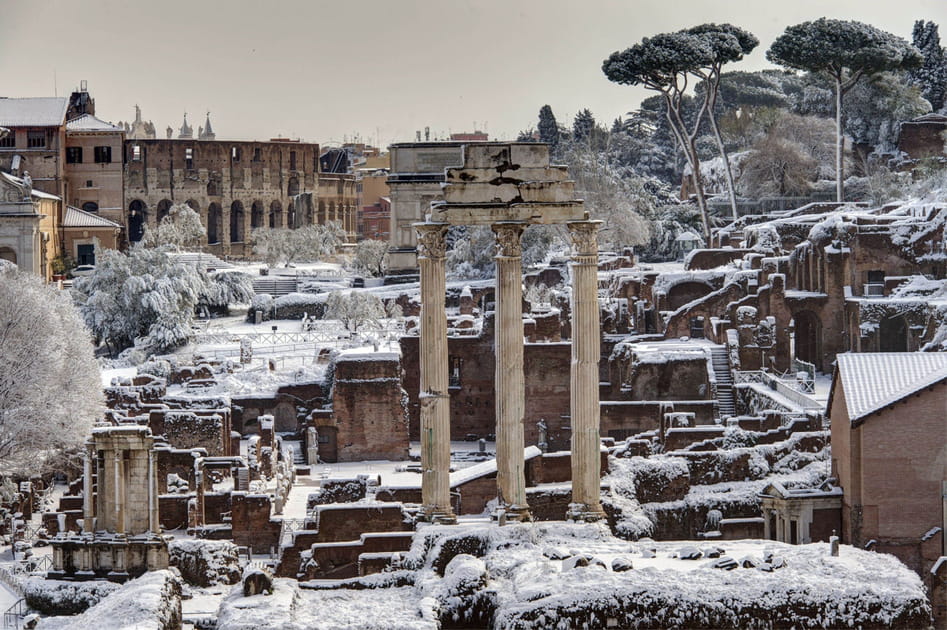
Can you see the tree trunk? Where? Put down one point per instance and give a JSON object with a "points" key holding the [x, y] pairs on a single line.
{"points": [[839, 142], [723, 154], [690, 151]]}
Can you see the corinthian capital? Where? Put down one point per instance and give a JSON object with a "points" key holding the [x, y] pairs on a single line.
{"points": [[432, 241], [508, 238], [584, 237]]}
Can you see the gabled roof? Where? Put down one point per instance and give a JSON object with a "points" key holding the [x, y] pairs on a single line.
{"points": [[873, 380], [88, 122], [33, 112], [76, 218]]}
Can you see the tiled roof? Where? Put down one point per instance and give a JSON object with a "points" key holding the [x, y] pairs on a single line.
{"points": [[33, 112], [80, 218], [88, 122], [874, 380]]}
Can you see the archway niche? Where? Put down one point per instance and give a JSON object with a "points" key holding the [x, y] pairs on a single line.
{"points": [[276, 215], [137, 219], [685, 292], [236, 222], [807, 337], [215, 223], [256, 215], [164, 207]]}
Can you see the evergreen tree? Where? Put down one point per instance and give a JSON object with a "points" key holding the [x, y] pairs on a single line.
{"points": [[548, 128], [931, 77], [582, 126], [844, 51]]}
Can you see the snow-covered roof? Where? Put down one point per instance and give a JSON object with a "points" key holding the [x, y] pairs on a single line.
{"points": [[80, 218], [874, 380], [39, 194], [44, 111], [88, 122]]}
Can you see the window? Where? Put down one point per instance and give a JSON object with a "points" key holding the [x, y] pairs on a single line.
{"points": [[235, 154], [36, 139], [103, 155], [257, 157], [453, 375], [292, 160], [85, 254], [89, 183], [9, 141], [136, 152], [90, 206], [189, 159], [73, 155]]}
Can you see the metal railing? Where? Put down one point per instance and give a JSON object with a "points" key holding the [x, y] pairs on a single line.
{"points": [[289, 526], [793, 390], [13, 616]]}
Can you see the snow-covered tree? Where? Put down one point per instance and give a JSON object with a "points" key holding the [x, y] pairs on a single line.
{"points": [[306, 244], [355, 309], [548, 128], [371, 257], [181, 228], [727, 43], [845, 51], [664, 63], [50, 387], [471, 249], [582, 126], [147, 299], [931, 77]]}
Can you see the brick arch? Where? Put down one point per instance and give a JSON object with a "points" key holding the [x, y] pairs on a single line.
{"points": [[256, 215], [236, 222], [215, 223], [686, 291], [137, 220], [276, 214], [164, 207]]}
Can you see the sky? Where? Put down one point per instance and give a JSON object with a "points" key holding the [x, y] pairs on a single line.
{"points": [[374, 71]]}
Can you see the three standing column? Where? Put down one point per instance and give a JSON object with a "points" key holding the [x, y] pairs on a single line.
{"points": [[586, 446], [434, 396], [510, 389]]}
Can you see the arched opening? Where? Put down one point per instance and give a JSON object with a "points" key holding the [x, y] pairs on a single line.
{"points": [[256, 215], [893, 335], [90, 206], [215, 223], [193, 205], [807, 337], [236, 222], [164, 207], [685, 292], [276, 215], [291, 216], [213, 188], [137, 219], [7, 253], [293, 188]]}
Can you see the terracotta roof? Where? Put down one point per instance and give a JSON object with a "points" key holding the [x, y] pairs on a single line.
{"points": [[873, 380], [76, 218], [88, 122], [33, 112]]}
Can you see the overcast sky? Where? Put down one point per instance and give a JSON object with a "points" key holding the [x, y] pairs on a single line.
{"points": [[329, 71]]}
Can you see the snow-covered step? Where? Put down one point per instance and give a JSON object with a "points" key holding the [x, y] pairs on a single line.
{"points": [[275, 285], [720, 362]]}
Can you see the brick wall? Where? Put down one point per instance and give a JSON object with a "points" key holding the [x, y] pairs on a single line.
{"points": [[367, 406]]}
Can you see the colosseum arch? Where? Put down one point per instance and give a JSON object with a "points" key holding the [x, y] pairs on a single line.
{"points": [[137, 220], [215, 223], [164, 207], [236, 222], [256, 215], [276, 214]]}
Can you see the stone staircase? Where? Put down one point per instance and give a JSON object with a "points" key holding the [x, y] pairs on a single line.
{"points": [[721, 366], [201, 259]]}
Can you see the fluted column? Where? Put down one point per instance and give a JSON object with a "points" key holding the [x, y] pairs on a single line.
{"points": [[434, 397], [510, 391], [87, 510], [586, 481]]}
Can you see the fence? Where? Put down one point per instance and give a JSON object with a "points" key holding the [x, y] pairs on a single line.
{"points": [[13, 616], [289, 526], [791, 389]]}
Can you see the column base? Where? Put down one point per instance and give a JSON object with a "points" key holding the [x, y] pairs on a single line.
{"points": [[437, 516], [512, 514], [582, 513]]}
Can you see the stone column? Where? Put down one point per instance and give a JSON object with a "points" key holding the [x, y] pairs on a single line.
{"points": [[510, 391], [586, 480], [153, 525], [119, 477], [434, 397], [87, 510]]}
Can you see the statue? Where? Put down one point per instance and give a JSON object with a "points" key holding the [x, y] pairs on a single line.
{"points": [[27, 186], [543, 435]]}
